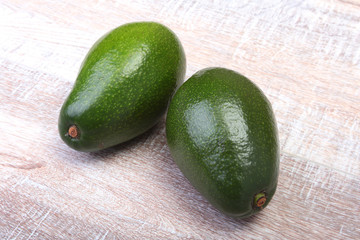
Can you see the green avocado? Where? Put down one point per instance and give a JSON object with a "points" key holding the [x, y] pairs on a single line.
{"points": [[123, 87], [222, 134]]}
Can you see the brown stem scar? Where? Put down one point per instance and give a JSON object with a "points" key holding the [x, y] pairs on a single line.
{"points": [[261, 201], [73, 131]]}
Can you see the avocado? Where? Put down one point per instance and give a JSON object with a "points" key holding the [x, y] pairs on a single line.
{"points": [[222, 134], [123, 87]]}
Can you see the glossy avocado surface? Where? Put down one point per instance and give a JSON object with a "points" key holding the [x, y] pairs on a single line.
{"points": [[123, 87], [222, 134]]}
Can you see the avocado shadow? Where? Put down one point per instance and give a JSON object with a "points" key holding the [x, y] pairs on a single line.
{"points": [[105, 154], [188, 199]]}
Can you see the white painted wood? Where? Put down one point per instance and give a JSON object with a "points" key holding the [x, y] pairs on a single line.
{"points": [[305, 55]]}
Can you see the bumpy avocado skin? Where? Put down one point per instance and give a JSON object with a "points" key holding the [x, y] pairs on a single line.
{"points": [[123, 87], [222, 134]]}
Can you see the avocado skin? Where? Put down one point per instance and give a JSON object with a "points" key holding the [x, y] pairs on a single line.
{"points": [[222, 134], [123, 87]]}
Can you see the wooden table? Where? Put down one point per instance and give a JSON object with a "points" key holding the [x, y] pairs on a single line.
{"points": [[305, 56]]}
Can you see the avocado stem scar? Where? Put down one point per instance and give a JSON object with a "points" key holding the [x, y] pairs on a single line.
{"points": [[260, 199], [73, 131]]}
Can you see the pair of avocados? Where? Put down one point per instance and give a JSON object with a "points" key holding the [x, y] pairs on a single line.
{"points": [[220, 127]]}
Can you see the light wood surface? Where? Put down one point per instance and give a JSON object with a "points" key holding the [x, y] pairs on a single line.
{"points": [[305, 56]]}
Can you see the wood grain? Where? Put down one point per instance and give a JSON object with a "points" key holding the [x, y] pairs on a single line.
{"points": [[304, 55]]}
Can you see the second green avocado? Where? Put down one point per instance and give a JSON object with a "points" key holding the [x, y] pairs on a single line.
{"points": [[123, 87], [222, 134]]}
